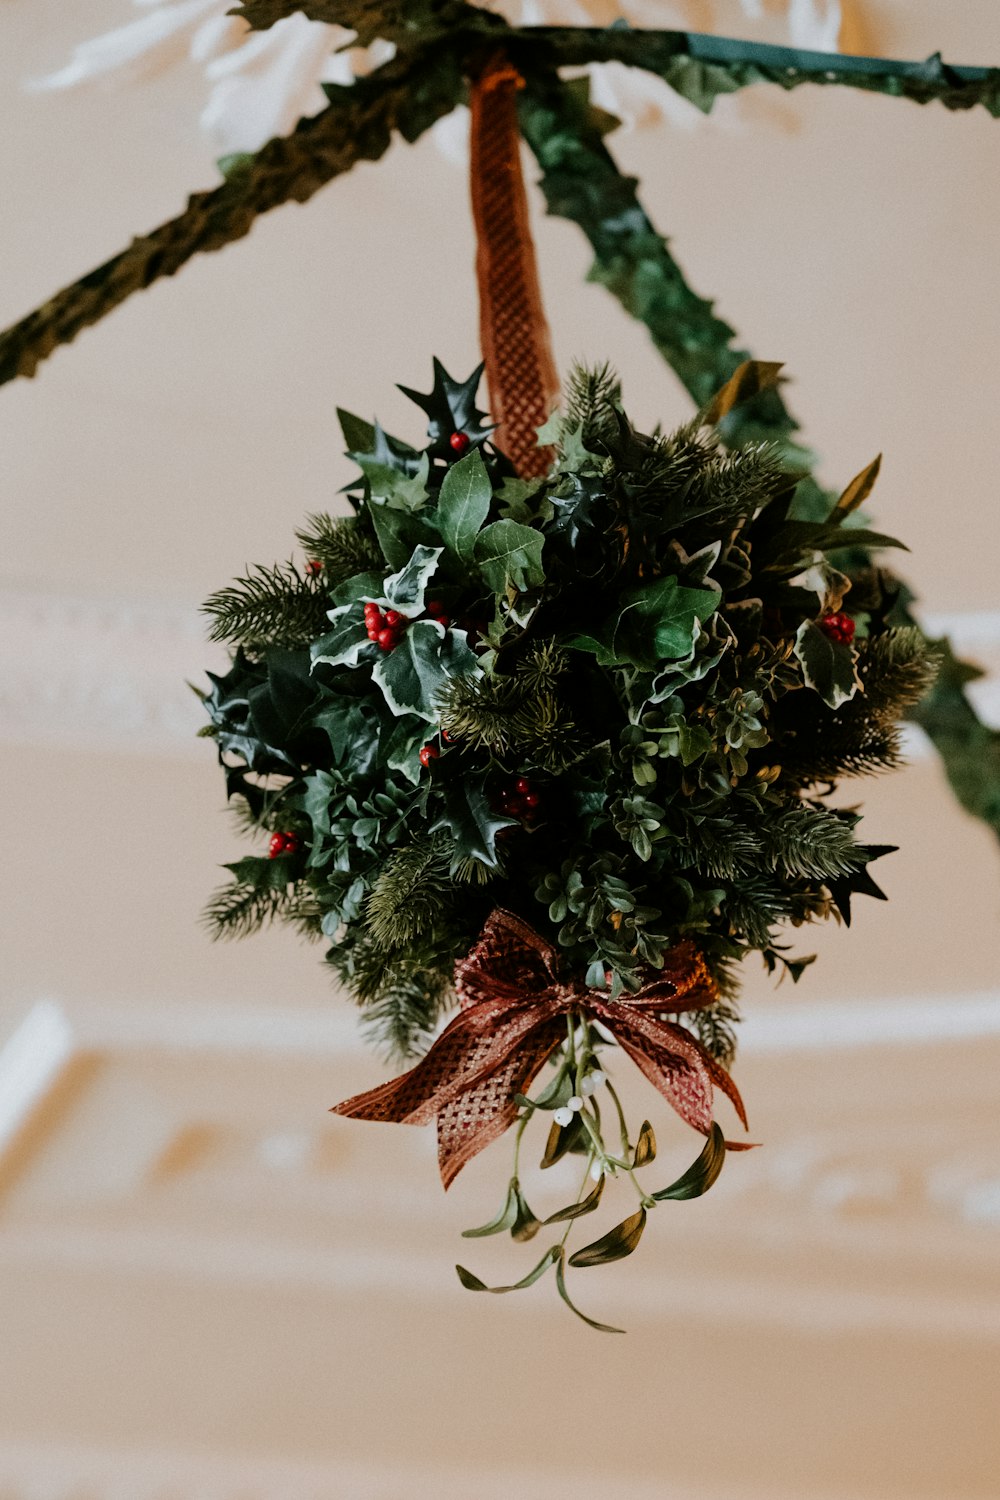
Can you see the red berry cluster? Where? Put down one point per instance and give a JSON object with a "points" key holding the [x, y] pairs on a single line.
{"points": [[520, 800], [388, 629], [459, 443], [839, 628], [283, 843]]}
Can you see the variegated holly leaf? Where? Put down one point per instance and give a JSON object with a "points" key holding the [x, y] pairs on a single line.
{"points": [[828, 666]]}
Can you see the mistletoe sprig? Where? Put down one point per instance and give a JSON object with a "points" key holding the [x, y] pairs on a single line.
{"points": [[613, 701]]}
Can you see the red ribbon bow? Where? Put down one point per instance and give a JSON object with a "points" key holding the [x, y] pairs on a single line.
{"points": [[514, 1002]]}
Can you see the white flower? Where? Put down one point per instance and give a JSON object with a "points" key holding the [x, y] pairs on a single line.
{"points": [[261, 83]]}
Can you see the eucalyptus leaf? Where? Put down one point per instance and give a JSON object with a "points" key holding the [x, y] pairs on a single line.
{"points": [[614, 1245], [701, 1173]]}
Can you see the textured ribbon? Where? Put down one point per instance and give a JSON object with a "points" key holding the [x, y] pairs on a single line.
{"points": [[513, 1006], [520, 370]]}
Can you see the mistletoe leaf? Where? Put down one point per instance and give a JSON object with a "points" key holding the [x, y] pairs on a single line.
{"points": [[829, 667], [464, 504], [701, 1173], [752, 377], [585, 1205], [645, 1150], [564, 1294], [504, 1220], [416, 671], [473, 1283], [525, 1225], [857, 491], [509, 555], [614, 1245]]}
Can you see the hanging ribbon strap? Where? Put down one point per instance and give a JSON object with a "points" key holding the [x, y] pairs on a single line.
{"points": [[514, 1001], [515, 340]]}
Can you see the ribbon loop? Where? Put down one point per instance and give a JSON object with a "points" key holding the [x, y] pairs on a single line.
{"points": [[513, 1004]]}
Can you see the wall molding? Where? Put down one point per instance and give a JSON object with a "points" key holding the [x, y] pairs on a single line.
{"points": [[111, 675]]}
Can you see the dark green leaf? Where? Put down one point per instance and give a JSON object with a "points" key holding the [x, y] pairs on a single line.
{"points": [[399, 532], [415, 672], [471, 821], [701, 1173], [655, 623], [359, 435], [614, 1245], [464, 504], [525, 1225]]}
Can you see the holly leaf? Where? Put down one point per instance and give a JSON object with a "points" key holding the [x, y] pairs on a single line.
{"points": [[614, 1245], [657, 622], [464, 504], [405, 590], [451, 407], [829, 667], [471, 821], [701, 1173], [415, 672], [509, 555], [858, 882], [347, 643]]}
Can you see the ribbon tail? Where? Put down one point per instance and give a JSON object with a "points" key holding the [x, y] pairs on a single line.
{"points": [[476, 1116]]}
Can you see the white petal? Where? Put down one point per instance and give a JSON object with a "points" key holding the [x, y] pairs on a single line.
{"points": [[143, 46], [277, 86], [216, 36]]}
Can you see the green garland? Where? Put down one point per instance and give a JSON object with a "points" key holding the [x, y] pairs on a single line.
{"points": [[613, 701]]}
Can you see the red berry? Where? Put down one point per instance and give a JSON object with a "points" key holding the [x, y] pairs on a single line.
{"points": [[371, 609], [435, 607], [838, 627], [515, 806], [522, 785], [443, 621], [278, 845], [291, 843], [386, 638], [458, 442], [531, 800], [394, 618], [429, 753], [373, 632], [449, 739], [314, 567]]}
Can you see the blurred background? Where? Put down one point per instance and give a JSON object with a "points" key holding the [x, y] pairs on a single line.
{"points": [[211, 1289]]}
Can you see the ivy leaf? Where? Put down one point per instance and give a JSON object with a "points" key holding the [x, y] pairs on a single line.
{"points": [[416, 671], [564, 1294], [394, 488], [347, 644], [657, 622], [585, 1205], [352, 728], [614, 1245], [398, 533], [645, 1150], [701, 1173], [471, 821], [827, 666], [464, 504], [405, 590], [473, 1283], [509, 555]]}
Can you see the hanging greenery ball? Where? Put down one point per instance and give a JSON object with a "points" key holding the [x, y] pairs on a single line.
{"points": [[611, 700]]}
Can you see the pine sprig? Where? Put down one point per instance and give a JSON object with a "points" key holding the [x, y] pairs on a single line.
{"points": [[240, 909], [341, 545], [520, 714], [412, 896], [277, 606]]}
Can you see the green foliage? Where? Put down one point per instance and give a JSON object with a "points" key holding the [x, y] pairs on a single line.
{"points": [[268, 607], [341, 544]]}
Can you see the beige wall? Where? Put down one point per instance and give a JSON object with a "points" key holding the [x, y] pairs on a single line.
{"points": [[210, 1289]]}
